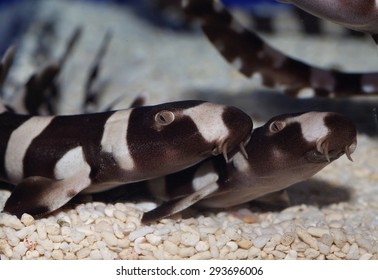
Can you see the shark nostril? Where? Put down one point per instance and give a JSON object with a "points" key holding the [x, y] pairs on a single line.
{"points": [[323, 147], [349, 150]]}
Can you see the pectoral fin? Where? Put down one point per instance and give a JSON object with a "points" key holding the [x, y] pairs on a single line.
{"points": [[175, 206], [38, 196]]}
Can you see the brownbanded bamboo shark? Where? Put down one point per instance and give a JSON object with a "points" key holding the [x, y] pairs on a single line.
{"points": [[254, 58], [51, 159], [359, 15], [286, 150]]}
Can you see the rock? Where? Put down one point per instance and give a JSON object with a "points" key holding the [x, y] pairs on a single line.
{"points": [[190, 239], [307, 238], [232, 246], [323, 248], [201, 256], [311, 253], [170, 247], [214, 250], [202, 246], [41, 230], [57, 255], [353, 253], [95, 254], [338, 236], [317, 231], [288, 238], [26, 231], [77, 236], [120, 215], [109, 238], [52, 229], [11, 221], [186, 252], [245, 243], [27, 219], [140, 232], [260, 241], [153, 239], [83, 253], [366, 256], [291, 255]]}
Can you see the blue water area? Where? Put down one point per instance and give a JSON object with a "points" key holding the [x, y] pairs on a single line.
{"points": [[15, 16]]}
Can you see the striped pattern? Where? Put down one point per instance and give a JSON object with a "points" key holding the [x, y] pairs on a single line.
{"points": [[359, 15], [51, 159], [286, 150], [19, 143], [250, 55]]}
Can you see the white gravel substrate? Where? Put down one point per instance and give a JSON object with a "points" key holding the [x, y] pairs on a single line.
{"points": [[164, 64]]}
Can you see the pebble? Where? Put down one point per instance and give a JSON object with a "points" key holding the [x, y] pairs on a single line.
{"points": [[57, 255], [366, 256], [245, 243], [56, 238], [233, 246], [32, 255], [260, 241], [326, 239], [10, 221], [311, 253], [291, 255], [41, 230], [52, 229], [26, 231], [170, 247], [307, 238], [317, 231], [339, 237], [47, 244], [353, 253], [140, 232], [186, 252], [288, 238], [95, 254], [20, 250], [190, 239], [103, 225], [64, 246], [70, 256], [201, 256], [278, 255], [77, 236], [365, 244], [214, 251], [123, 243], [27, 219], [153, 239], [162, 231], [120, 215], [299, 246], [85, 229], [64, 221], [84, 214], [233, 234], [202, 246], [109, 238], [323, 248]]}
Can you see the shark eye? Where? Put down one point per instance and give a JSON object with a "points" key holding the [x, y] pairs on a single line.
{"points": [[277, 126], [164, 117]]}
